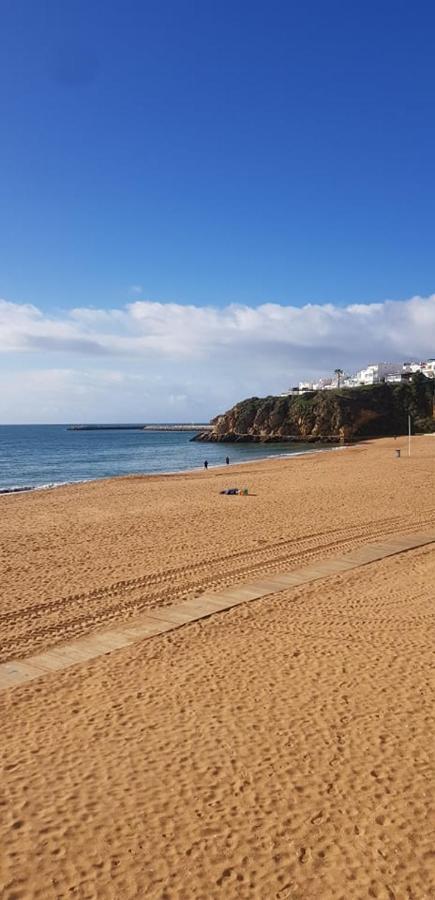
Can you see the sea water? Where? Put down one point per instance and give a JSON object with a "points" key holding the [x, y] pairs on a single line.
{"points": [[37, 456]]}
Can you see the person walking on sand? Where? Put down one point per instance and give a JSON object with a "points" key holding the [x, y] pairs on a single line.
{"points": [[227, 460], [205, 464]]}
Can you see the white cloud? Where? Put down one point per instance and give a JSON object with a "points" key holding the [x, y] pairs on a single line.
{"points": [[150, 360]]}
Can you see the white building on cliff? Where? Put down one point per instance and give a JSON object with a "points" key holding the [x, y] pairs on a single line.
{"points": [[375, 373]]}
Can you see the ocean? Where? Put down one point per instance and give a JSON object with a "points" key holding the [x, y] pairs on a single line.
{"points": [[41, 456]]}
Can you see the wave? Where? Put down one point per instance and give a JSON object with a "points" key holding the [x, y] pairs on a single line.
{"points": [[17, 489], [21, 488]]}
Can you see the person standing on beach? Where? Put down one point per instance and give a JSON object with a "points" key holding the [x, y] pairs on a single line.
{"points": [[227, 460], [205, 464]]}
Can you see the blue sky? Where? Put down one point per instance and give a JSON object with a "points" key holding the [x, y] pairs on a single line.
{"points": [[214, 154]]}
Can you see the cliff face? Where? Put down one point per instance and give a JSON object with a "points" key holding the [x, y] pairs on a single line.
{"points": [[328, 416]]}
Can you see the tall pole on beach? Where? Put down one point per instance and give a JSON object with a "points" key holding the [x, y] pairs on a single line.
{"points": [[409, 435]]}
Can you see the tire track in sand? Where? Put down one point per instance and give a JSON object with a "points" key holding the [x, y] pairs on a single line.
{"points": [[74, 615]]}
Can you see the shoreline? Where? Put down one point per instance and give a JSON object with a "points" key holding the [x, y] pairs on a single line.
{"points": [[27, 489]]}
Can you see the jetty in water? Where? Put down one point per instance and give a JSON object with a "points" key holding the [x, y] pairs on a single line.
{"points": [[182, 426]]}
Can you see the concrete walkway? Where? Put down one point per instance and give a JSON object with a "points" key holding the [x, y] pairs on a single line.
{"points": [[168, 618]]}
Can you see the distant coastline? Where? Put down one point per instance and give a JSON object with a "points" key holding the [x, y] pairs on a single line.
{"points": [[182, 426]]}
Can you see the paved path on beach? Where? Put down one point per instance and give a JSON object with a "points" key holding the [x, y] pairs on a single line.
{"points": [[158, 621]]}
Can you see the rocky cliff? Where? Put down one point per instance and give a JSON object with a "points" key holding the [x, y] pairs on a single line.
{"points": [[329, 416]]}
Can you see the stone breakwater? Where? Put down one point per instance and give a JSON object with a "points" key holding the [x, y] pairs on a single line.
{"points": [[159, 427]]}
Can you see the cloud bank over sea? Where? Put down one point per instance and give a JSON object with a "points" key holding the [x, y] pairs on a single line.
{"points": [[155, 361]]}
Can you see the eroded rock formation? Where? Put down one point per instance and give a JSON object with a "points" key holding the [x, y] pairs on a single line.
{"points": [[336, 416]]}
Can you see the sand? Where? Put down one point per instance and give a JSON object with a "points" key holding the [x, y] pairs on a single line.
{"points": [[79, 558], [283, 749]]}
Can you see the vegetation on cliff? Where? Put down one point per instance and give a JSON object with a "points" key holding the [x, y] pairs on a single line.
{"points": [[340, 415]]}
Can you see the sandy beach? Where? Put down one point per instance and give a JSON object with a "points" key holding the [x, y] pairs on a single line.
{"points": [[283, 749]]}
